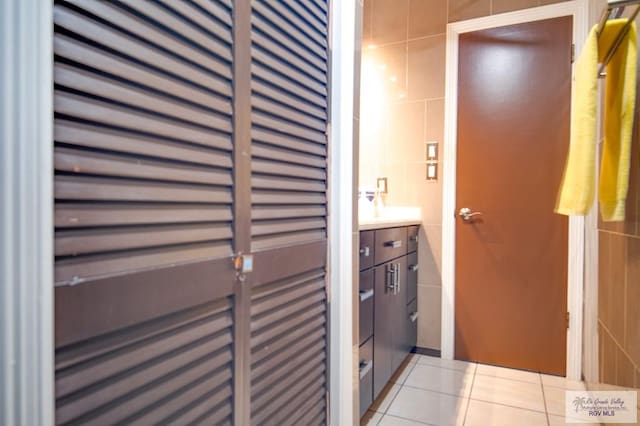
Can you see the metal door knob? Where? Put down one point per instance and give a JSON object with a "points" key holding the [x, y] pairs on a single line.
{"points": [[467, 214]]}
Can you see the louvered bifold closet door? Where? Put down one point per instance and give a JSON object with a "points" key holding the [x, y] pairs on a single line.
{"points": [[289, 94], [143, 140]]}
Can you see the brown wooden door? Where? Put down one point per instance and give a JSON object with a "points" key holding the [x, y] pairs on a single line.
{"points": [[513, 130], [186, 133]]}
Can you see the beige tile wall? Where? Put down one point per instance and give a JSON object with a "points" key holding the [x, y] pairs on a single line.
{"points": [[402, 106], [619, 285]]}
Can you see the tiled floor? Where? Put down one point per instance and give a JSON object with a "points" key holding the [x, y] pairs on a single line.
{"points": [[438, 392]]}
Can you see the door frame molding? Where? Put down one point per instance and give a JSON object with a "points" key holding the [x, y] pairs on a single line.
{"points": [[341, 247], [26, 218], [579, 9]]}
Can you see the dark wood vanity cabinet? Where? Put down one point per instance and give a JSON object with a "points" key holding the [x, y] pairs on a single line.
{"points": [[390, 268]]}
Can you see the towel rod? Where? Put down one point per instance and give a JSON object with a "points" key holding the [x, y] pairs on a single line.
{"points": [[617, 8]]}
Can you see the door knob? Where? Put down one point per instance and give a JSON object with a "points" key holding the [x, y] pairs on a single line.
{"points": [[467, 214]]}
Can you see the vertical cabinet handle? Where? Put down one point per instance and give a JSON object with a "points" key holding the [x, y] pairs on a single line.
{"points": [[391, 280], [393, 277], [413, 238], [413, 268], [365, 251]]}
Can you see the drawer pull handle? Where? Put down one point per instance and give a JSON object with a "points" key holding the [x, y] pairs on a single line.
{"points": [[365, 367], [413, 238], [364, 251], [413, 268], [393, 244], [364, 295], [413, 317]]}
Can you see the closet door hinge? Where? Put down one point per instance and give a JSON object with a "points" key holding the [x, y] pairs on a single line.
{"points": [[567, 317], [573, 52]]}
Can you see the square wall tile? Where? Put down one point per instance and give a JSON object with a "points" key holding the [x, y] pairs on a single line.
{"points": [[429, 272], [426, 65], [434, 238], [367, 15], [429, 321], [625, 370], [389, 22], [427, 17], [459, 10], [632, 340], [608, 370], [424, 193], [396, 174], [394, 57], [501, 6], [611, 288], [407, 131], [435, 124]]}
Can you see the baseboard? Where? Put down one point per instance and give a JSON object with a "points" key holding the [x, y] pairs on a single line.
{"points": [[427, 351]]}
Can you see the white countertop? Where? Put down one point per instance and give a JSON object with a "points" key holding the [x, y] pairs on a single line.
{"points": [[391, 217]]}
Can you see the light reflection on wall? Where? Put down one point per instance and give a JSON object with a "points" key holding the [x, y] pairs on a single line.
{"points": [[377, 92]]}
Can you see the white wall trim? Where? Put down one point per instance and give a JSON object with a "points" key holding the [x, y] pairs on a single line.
{"points": [[26, 232], [342, 44], [579, 10]]}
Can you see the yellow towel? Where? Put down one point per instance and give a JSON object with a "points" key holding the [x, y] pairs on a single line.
{"points": [[577, 190]]}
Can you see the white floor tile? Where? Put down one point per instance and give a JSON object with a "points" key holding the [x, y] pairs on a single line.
{"points": [[373, 418], [453, 364], [482, 413], [555, 400], [508, 373], [508, 392], [428, 407], [386, 402], [405, 373], [562, 382], [388, 420], [438, 379], [560, 421]]}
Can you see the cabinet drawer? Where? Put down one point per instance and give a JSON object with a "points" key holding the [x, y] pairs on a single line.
{"points": [[389, 244], [412, 276], [412, 238], [411, 329], [366, 376], [366, 250], [366, 305]]}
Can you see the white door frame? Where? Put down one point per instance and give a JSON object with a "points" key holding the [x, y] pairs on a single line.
{"points": [[579, 9], [341, 203], [26, 211]]}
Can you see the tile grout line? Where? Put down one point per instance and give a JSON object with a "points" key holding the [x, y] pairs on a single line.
{"points": [[401, 386], [466, 410], [544, 401], [406, 418]]}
